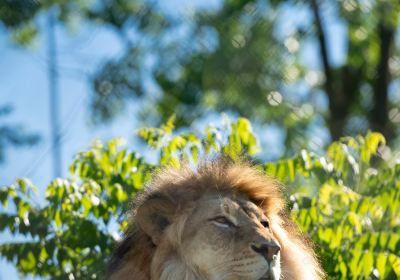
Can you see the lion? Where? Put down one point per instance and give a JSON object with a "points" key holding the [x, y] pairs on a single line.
{"points": [[223, 220]]}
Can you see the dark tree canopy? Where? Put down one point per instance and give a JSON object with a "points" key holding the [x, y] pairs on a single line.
{"points": [[235, 57]]}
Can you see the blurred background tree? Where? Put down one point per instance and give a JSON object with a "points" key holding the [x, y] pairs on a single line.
{"points": [[11, 134], [235, 56]]}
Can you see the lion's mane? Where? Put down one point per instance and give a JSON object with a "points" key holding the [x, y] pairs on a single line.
{"points": [[133, 256]]}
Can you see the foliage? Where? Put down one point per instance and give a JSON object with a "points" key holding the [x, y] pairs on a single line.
{"points": [[353, 216], [237, 56], [347, 201]]}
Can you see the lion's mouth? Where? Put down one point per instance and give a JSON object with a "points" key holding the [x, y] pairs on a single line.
{"points": [[267, 277]]}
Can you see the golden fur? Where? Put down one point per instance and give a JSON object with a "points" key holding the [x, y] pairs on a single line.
{"points": [[171, 249]]}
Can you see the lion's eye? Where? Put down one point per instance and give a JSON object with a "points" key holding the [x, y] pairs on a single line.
{"points": [[265, 224], [223, 222]]}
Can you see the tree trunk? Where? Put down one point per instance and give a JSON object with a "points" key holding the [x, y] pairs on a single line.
{"points": [[341, 89], [379, 120]]}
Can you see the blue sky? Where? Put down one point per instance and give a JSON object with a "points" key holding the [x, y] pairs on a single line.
{"points": [[23, 76]]}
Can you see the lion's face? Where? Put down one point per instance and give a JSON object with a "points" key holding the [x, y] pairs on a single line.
{"points": [[215, 237], [221, 221], [230, 238]]}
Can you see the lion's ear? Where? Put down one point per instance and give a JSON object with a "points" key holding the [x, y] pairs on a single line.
{"points": [[154, 215]]}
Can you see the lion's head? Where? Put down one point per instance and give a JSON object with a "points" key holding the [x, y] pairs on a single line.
{"points": [[222, 221]]}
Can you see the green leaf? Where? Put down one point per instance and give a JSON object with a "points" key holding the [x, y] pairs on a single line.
{"points": [[291, 171], [381, 264], [367, 263], [25, 34], [370, 147], [28, 262], [4, 196], [395, 262], [57, 219]]}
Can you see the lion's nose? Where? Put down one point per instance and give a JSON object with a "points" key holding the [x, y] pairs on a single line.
{"points": [[267, 250]]}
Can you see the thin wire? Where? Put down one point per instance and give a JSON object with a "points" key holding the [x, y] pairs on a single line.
{"points": [[30, 169]]}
